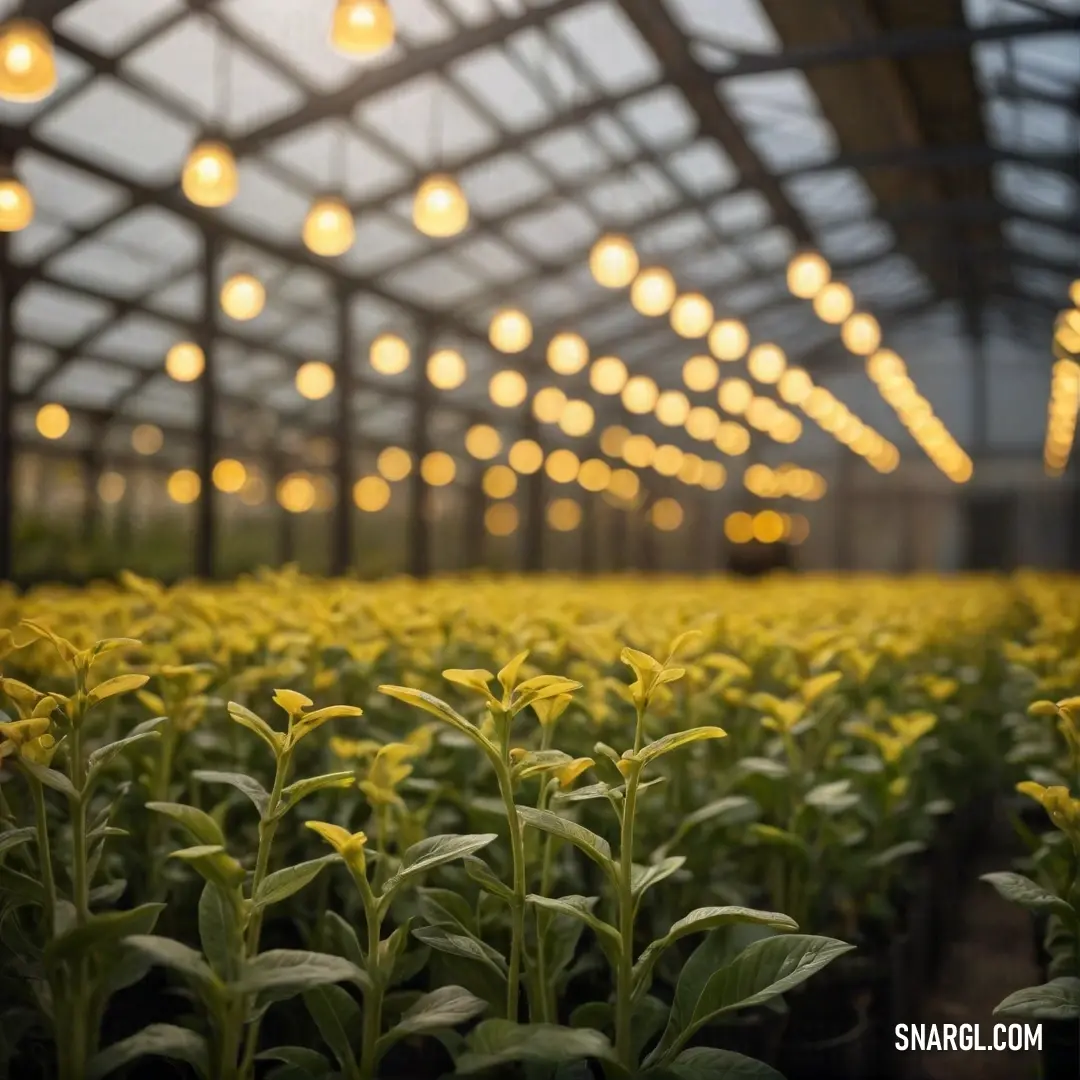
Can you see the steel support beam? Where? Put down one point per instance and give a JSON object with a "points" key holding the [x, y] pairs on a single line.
{"points": [[341, 552], [895, 45], [419, 491], [535, 526], [8, 291], [206, 509]]}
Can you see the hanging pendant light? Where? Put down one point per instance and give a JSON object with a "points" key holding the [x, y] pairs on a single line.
{"points": [[16, 202], [807, 274], [210, 176], [440, 208], [362, 27], [613, 261], [692, 316], [27, 65], [510, 331], [329, 228], [567, 353], [243, 296], [653, 292]]}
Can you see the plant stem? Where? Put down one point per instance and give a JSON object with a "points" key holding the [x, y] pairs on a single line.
{"points": [[517, 903], [37, 792], [267, 828], [624, 1006], [373, 998], [76, 1032], [545, 1006]]}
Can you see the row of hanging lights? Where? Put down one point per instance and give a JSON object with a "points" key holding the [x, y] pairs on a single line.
{"points": [[1063, 405], [27, 74], [809, 277]]}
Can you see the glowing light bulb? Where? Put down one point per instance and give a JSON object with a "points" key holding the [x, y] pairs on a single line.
{"points": [[16, 204], [613, 261], [807, 274], [210, 175], [314, 380], [185, 361], [510, 331], [27, 65], [446, 369], [362, 27], [329, 228], [389, 354], [243, 297], [567, 354], [729, 340], [440, 208], [691, 316], [653, 292], [52, 421]]}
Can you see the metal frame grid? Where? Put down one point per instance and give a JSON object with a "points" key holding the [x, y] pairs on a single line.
{"points": [[710, 133]]}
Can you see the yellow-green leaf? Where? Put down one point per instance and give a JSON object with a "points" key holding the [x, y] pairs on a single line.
{"points": [[292, 701], [438, 708], [246, 718], [814, 688], [122, 684], [509, 672], [681, 642], [64, 647], [674, 741], [476, 679]]}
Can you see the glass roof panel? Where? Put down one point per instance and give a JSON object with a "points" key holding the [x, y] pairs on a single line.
{"points": [[302, 286], [435, 280], [106, 269], [607, 43], [314, 337], [661, 119], [553, 232], [154, 235], [68, 195], [498, 84], [570, 153], [740, 24], [709, 267], [381, 241], [164, 401], [137, 339], [425, 119], [551, 67], [112, 124], [421, 22], [38, 240], [89, 383], [703, 168], [111, 26], [856, 240], [29, 363], [1043, 239], [266, 205], [182, 298], [742, 212], [491, 258], [627, 196], [1031, 187], [671, 234], [498, 184], [770, 247], [58, 316], [183, 63], [831, 195]]}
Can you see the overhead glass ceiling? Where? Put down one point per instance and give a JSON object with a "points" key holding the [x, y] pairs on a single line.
{"points": [[559, 120]]}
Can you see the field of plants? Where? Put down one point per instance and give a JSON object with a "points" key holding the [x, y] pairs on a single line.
{"points": [[545, 828]]}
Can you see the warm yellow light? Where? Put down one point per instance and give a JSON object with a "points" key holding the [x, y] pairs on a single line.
{"points": [[786, 428], [795, 386], [653, 292], [52, 421], [834, 303], [713, 476], [639, 395], [761, 412], [624, 484], [766, 363], [296, 493], [666, 515], [548, 404], [329, 228], [613, 261], [807, 274], [111, 487], [362, 27], [253, 493], [525, 457], [577, 419], [183, 486], [562, 466], [732, 439], [608, 375], [691, 469], [735, 396], [243, 297], [639, 451], [483, 442], [394, 463], [229, 475], [668, 460], [768, 527], [567, 354], [884, 365], [185, 361], [16, 204], [27, 66], [446, 369], [499, 482], [729, 339], [703, 423], [210, 176], [594, 475], [147, 439], [739, 527], [314, 380], [613, 439], [440, 208], [438, 468], [389, 354], [508, 389], [564, 515], [700, 374], [672, 408], [371, 494], [501, 519], [861, 334], [692, 316], [510, 331]]}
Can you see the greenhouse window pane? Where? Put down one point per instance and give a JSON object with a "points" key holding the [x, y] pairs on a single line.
{"points": [[69, 195], [55, 315], [89, 384], [436, 280], [499, 184], [661, 119], [265, 205], [110, 26], [382, 241], [499, 85], [553, 232], [742, 24], [703, 168], [70, 72], [608, 44], [138, 339]]}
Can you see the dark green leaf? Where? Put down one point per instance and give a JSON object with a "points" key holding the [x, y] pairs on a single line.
{"points": [[51, 779], [219, 931], [482, 874], [644, 877], [102, 931], [708, 1063], [596, 847], [246, 785], [294, 970], [197, 822], [157, 1040], [283, 883], [342, 939], [443, 1008], [1059, 999], [896, 852], [337, 1016], [176, 956], [435, 851], [14, 837], [101, 757], [466, 946], [499, 1042], [580, 908], [1028, 894]]}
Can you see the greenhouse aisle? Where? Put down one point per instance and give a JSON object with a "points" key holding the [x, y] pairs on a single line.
{"points": [[990, 958]]}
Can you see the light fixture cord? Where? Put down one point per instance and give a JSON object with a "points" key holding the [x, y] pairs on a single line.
{"points": [[339, 154], [435, 130], [222, 104]]}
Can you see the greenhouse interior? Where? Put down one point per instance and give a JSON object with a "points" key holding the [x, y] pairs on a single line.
{"points": [[539, 539]]}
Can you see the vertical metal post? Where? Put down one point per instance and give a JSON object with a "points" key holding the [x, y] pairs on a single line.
{"points": [[341, 552], [533, 553], [205, 536], [91, 474], [980, 396], [845, 514], [286, 532], [588, 532], [419, 493], [475, 504], [8, 291]]}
